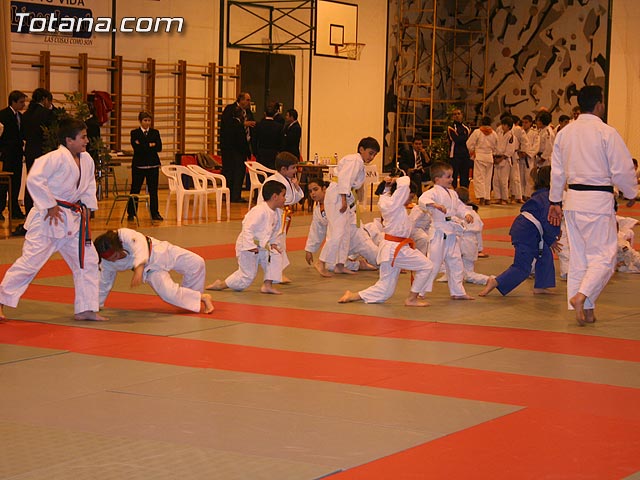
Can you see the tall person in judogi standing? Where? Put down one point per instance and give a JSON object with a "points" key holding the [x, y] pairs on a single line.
{"points": [[62, 184], [590, 158]]}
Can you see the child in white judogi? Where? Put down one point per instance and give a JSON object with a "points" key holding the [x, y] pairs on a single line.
{"points": [[151, 261], [446, 210], [340, 206], [508, 144], [628, 259], [421, 233], [286, 173], [395, 252], [471, 241], [528, 156], [362, 254], [256, 245], [482, 144], [62, 185], [375, 230], [516, 187], [547, 137]]}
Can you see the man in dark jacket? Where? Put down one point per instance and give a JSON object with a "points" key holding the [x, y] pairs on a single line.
{"points": [[267, 135], [11, 151], [415, 162], [235, 138], [459, 155], [291, 133]]}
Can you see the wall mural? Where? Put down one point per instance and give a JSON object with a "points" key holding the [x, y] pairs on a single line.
{"points": [[540, 53]]}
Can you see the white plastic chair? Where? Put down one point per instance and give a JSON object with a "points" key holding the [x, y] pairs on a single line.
{"points": [[174, 175], [214, 183], [261, 167], [257, 178]]}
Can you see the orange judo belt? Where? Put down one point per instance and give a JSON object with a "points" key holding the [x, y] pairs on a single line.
{"points": [[402, 241], [287, 215]]}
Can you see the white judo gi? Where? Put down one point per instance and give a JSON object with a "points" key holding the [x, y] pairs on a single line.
{"points": [[293, 194], [351, 175], [421, 233], [482, 144], [508, 144], [158, 261], [445, 245], [360, 243], [470, 244], [588, 152], [545, 150], [516, 186], [527, 163], [260, 229], [396, 226], [55, 176]]}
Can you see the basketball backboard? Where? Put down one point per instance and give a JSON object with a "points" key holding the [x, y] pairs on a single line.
{"points": [[336, 25]]}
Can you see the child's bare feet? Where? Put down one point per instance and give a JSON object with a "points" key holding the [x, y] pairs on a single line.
{"points": [[414, 301], [349, 296], [543, 291], [90, 316], [577, 302], [322, 269], [589, 315], [462, 297], [268, 288], [207, 303], [483, 255], [285, 280], [340, 268], [364, 265], [491, 284], [217, 285]]}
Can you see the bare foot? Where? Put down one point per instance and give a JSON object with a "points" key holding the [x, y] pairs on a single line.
{"points": [[285, 280], [491, 284], [589, 315], [2, 317], [462, 297], [322, 269], [415, 302], [365, 266], [90, 316], [577, 302], [217, 285], [483, 255], [207, 303], [269, 289], [342, 269], [543, 291], [349, 296]]}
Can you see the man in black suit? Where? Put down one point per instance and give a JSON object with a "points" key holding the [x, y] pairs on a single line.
{"points": [[146, 143], [267, 135], [291, 133], [39, 114], [235, 140], [415, 162], [459, 157], [11, 151]]}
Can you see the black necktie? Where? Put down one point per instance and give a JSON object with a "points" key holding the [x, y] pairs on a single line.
{"points": [[146, 132], [418, 160], [18, 119]]}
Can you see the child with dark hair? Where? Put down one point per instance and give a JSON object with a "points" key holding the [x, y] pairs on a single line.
{"points": [[257, 244], [151, 261], [145, 165], [533, 238], [62, 184], [340, 205]]}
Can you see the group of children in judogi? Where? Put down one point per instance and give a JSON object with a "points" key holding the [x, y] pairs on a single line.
{"points": [[445, 230]]}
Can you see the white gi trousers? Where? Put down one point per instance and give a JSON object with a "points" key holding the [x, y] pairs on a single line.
{"points": [[407, 259], [482, 172], [187, 295], [336, 246], [447, 250], [36, 251], [526, 182], [594, 245], [501, 172], [515, 184], [271, 263]]}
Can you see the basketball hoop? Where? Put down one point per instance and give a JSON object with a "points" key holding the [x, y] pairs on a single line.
{"points": [[352, 51]]}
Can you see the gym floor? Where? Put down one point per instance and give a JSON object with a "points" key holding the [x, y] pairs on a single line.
{"points": [[297, 386]]}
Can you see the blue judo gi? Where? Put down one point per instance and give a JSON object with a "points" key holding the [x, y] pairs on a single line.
{"points": [[525, 238]]}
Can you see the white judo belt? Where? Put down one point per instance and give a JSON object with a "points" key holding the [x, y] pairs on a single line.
{"points": [[538, 225]]}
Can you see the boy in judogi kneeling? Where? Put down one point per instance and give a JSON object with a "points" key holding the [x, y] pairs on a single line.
{"points": [[256, 244]]}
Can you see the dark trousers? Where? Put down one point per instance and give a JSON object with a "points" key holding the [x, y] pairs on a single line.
{"points": [[234, 170], [14, 166], [28, 201], [138, 176], [461, 165], [517, 273]]}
